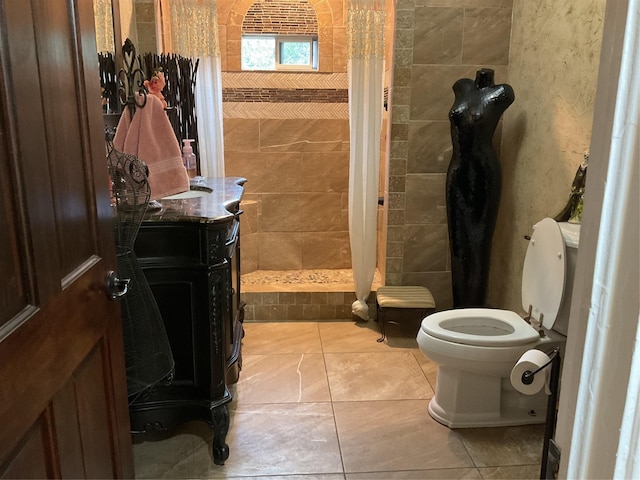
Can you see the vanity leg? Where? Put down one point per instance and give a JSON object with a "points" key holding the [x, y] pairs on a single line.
{"points": [[220, 417]]}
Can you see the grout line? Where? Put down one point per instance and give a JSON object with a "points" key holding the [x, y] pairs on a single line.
{"points": [[333, 410]]}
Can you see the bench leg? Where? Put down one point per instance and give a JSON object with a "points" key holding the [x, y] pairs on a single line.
{"points": [[381, 318]]}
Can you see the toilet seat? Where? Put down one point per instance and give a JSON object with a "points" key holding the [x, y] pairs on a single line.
{"points": [[483, 327]]}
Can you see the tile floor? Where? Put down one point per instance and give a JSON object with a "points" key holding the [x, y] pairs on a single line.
{"points": [[325, 401]]}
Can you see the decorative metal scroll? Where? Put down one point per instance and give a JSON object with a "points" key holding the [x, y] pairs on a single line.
{"points": [[131, 91]]}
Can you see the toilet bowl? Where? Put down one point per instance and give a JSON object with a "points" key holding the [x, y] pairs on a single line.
{"points": [[476, 348]]}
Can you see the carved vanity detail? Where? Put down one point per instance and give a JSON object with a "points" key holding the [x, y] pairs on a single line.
{"points": [[189, 252]]}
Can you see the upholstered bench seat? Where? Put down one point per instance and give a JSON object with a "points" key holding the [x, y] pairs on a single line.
{"points": [[406, 302]]}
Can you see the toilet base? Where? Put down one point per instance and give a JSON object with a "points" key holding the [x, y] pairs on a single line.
{"points": [[466, 400]]}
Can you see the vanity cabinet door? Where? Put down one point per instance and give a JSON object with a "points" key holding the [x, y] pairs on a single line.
{"points": [[183, 297]]}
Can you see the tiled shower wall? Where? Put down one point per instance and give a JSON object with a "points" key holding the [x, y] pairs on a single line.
{"points": [[297, 171], [436, 43], [288, 134]]}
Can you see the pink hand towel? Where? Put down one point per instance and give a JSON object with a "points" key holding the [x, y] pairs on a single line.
{"points": [[149, 137]]}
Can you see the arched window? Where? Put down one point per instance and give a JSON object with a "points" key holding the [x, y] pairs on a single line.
{"points": [[280, 35]]}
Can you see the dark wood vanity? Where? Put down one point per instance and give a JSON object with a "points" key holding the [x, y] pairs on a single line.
{"points": [[189, 252]]}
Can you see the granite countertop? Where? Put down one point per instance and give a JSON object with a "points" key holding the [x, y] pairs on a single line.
{"points": [[211, 207]]}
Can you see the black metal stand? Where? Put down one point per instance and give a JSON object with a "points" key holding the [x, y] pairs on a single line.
{"points": [[554, 380]]}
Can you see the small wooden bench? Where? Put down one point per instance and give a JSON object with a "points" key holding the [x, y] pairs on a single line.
{"points": [[407, 302]]}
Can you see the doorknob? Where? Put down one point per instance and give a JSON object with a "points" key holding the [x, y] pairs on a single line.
{"points": [[116, 287]]}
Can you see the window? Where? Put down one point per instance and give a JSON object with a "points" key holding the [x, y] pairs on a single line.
{"points": [[279, 52]]}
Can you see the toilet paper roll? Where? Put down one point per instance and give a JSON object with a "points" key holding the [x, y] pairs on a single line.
{"points": [[530, 361]]}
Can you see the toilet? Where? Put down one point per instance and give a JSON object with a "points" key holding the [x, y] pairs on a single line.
{"points": [[476, 348]]}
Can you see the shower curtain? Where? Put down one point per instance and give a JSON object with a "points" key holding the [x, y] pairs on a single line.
{"points": [[190, 28], [104, 26], [365, 52]]}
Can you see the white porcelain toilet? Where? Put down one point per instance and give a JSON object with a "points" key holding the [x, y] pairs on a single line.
{"points": [[476, 348]]}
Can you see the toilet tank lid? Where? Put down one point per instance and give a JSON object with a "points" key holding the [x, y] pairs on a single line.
{"points": [[570, 233]]}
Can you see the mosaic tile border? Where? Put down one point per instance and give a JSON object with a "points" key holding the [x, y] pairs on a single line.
{"points": [[258, 110], [284, 80], [285, 95]]}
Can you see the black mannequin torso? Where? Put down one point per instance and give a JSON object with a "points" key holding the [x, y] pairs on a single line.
{"points": [[474, 182]]}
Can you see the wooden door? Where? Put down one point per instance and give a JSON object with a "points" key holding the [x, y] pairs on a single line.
{"points": [[63, 404]]}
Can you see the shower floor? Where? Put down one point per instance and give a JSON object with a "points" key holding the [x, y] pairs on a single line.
{"points": [[321, 280]]}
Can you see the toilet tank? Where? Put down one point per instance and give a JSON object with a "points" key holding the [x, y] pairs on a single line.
{"points": [[571, 236]]}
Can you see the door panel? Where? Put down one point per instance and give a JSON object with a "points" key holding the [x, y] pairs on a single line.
{"points": [[54, 35], [68, 432], [92, 414], [13, 297], [29, 162], [29, 460], [63, 404]]}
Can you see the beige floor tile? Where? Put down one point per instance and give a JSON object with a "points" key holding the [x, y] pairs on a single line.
{"points": [[166, 455], [395, 436], [376, 376], [503, 446], [294, 436], [283, 378], [439, 474], [523, 472], [319, 476], [358, 337], [281, 337], [429, 367], [277, 439], [350, 337]]}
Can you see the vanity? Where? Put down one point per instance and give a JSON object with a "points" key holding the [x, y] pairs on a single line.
{"points": [[189, 251]]}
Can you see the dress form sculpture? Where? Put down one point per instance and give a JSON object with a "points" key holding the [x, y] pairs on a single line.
{"points": [[148, 357], [474, 183]]}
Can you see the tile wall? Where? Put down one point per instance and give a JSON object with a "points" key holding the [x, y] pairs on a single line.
{"points": [[555, 55], [436, 43], [279, 306], [145, 26], [297, 171]]}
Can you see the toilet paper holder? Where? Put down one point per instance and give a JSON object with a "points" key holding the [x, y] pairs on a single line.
{"points": [[534, 362], [547, 470], [528, 375]]}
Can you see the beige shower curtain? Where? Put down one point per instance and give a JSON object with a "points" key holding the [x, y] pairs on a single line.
{"points": [[365, 50]]}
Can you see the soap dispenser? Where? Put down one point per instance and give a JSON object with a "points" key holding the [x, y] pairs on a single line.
{"points": [[188, 158]]}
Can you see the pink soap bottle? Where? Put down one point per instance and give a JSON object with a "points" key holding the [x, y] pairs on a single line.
{"points": [[188, 158]]}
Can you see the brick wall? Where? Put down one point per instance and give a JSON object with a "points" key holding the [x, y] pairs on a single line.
{"points": [[283, 17]]}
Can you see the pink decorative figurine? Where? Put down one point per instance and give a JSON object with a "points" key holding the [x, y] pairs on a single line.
{"points": [[155, 85]]}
